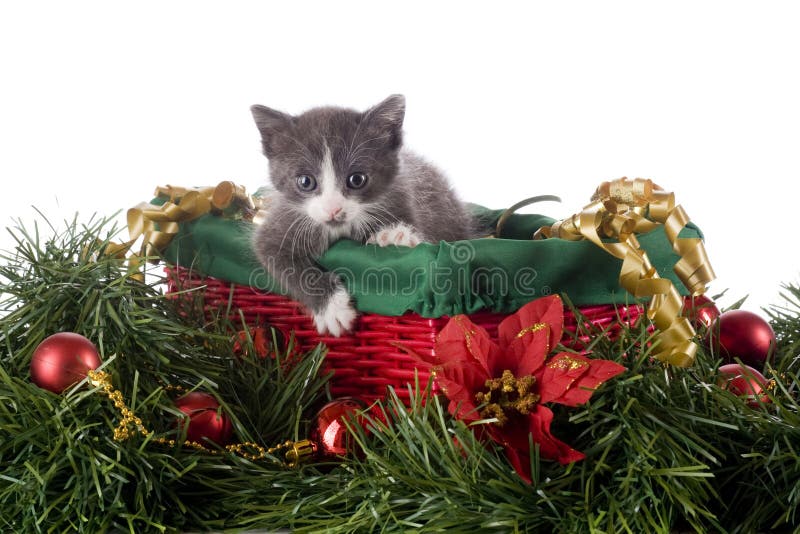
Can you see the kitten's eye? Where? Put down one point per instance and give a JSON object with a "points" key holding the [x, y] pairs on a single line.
{"points": [[357, 180], [306, 183]]}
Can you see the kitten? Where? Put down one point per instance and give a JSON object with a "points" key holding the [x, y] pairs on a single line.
{"points": [[339, 174]]}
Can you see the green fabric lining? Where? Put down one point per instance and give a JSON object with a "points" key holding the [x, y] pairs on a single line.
{"points": [[437, 279]]}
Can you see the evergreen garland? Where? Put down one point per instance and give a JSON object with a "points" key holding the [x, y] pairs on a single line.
{"points": [[667, 448]]}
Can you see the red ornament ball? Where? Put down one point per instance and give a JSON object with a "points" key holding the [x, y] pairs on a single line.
{"points": [[744, 335], [744, 381], [330, 432], [62, 360], [204, 419], [701, 311]]}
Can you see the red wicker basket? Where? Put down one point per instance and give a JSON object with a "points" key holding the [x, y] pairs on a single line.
{"points": [[371, 358]]}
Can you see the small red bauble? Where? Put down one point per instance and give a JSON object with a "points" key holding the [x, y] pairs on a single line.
{"points": [[744, 381], [744, 335], [62, 360], [205, 420], [701, 311], [330, 432]]}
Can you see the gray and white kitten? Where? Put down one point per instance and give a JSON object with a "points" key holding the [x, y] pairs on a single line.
{"points": [[339, 173]]}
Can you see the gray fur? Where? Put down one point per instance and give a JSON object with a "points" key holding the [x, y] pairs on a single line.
{"points": [[402, 188]]}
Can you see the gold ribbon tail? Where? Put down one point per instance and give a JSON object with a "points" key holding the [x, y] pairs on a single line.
{"points": [[619, 210]]}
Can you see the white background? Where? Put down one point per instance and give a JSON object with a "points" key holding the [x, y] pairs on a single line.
{"points": [[99, 103]]}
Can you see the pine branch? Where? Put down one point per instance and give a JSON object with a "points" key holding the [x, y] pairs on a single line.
{"points": [[668, 449], [65, 471]]}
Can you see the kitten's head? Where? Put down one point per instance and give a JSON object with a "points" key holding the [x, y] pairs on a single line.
{"points": [[333, 163]]}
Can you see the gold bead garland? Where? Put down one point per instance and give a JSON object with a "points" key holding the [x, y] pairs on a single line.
{"points": [[296, 452], [102, 380]]}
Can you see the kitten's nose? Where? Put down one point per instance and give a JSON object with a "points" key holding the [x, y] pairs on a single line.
{"points": [[335, 212]]}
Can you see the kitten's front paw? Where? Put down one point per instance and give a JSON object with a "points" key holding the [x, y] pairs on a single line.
{"points": [[338, 315], [400, 234]]}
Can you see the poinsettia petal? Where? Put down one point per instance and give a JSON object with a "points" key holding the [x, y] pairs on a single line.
{"points": [[547, 310], [520, 462], [559, 374], [530, 352], [453, 389], [461, 370], [507, 358], [497, 358], [582, 389], [550, 447], [512, 434], [461, 355], [261, 343], [514, 437], [537, 424], [463, 340], [465, 411]]}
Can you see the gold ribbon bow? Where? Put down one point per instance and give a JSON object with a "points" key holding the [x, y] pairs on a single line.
{"points": [[622, 208], [157, 225]]}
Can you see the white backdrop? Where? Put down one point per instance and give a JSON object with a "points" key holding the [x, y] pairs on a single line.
{"points": [[99, 103]]}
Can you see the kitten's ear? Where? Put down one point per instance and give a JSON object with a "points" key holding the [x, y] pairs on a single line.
{"points": [[388, 117], [271, 123]]}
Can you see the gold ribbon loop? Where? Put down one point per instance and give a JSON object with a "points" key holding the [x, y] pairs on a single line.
{"points": [[620, 209], [228, 193], [174, 192]]}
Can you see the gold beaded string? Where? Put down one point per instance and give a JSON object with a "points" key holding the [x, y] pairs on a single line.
{"points": [[295, 452], [102, 380]]}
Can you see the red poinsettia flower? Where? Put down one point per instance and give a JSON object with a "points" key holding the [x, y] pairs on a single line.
{"points": [[511, 379], [260, 339]]}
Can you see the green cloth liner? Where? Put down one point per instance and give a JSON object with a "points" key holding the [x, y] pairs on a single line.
{"points": [[436, 279]]}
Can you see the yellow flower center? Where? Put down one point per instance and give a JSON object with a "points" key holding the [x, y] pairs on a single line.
{"points": [[507, 394]]}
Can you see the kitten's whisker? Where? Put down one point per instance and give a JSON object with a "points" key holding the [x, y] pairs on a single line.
{"points": [[303, 157], [359, 158], [384, 136], [381, 220], [308, 237], [349, 154], [304, 152], [384, 211], [302, 238], [298, 239], [337, 137], [364, 228], [367, 219], [356, 149], [377, 224], [297, 234], [286, 233], [296, 141]]}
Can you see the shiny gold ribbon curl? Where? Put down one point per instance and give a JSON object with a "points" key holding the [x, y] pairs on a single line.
{"points": [[619, 210]]}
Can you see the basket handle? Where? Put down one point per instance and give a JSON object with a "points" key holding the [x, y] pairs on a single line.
{"points": [[521, 204]]}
